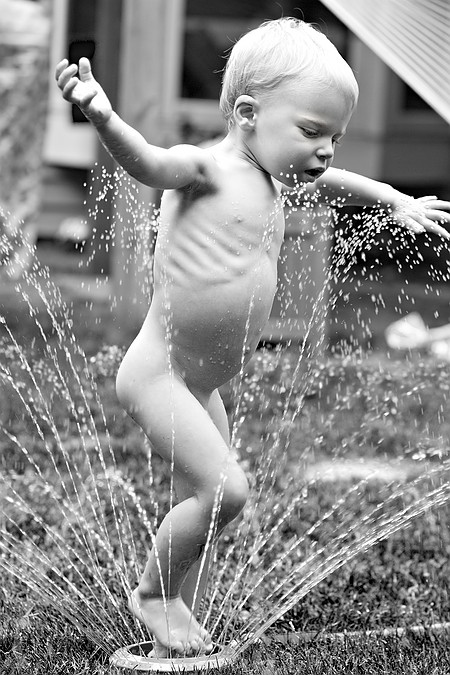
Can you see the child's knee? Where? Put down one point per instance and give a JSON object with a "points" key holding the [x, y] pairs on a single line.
{"points": [[234, 496]]}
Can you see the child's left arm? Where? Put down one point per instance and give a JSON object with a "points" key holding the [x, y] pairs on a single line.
{"points": [[338, 188]]}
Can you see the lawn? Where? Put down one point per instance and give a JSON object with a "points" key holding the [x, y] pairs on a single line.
{"points": [[347, 530]]}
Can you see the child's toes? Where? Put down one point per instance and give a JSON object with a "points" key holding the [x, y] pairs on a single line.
{"points": [[206, 639], [205, 648], [196, 646], [179, 647], [205, 636]]}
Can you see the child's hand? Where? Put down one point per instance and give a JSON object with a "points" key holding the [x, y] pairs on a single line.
{"points": [[419, 215], [83, 90]]}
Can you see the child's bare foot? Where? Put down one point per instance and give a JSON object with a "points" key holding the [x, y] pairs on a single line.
{"points": [[175, 630]]}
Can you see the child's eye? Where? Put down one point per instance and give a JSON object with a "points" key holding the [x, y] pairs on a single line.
{"points": [[309, 133]]}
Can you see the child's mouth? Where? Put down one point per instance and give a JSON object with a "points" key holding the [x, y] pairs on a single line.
{"points": [[314, 173]]}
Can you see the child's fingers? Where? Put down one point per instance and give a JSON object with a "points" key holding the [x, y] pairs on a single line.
{"points": [[82, 97], [433, 202], [426, 198], [425, 213], [84, 69], [442, 232], [438, 215], [431, 226], [62, 65], [66, 75], [439, 205], [68, 88]]}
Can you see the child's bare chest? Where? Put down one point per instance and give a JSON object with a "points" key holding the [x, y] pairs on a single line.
{"points": [[218, 236]]}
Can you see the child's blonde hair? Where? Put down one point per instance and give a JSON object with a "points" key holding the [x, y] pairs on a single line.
{"points": [[278, 50]]}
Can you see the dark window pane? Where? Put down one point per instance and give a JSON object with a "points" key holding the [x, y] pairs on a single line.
{"points": [[412, 100], [213, 26], [81, 38]]}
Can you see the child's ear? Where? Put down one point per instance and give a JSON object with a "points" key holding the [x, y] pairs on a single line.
{"points": [[245, 112]]}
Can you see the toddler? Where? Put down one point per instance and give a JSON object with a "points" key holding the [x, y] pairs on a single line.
{"points": [[287, 98]]}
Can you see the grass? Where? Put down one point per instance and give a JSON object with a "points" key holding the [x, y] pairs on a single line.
{"points": [[347, 411], [51, 647]]}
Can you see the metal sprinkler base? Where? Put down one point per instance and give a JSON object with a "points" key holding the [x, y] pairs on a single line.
{"points": [[138, 657]]}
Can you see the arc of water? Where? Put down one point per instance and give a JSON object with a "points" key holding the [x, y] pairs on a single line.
{"points": [[339, 555], [71, 596], [80, 427], [295, 545], [78, 512]]}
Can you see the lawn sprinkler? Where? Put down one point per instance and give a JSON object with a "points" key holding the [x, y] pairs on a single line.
{"points": [[140, 657]]}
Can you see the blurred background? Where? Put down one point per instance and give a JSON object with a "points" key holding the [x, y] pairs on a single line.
{"points": [[160, 62]]}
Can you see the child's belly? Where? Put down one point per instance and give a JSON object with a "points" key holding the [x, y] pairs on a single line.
{"points": [[213, 329]]}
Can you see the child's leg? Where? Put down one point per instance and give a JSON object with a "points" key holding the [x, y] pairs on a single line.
{"points": [[194, 585], [218, 414], [183, 433]]}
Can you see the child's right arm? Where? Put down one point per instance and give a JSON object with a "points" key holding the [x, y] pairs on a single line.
{"points": [[176, 167], [338, 187]]}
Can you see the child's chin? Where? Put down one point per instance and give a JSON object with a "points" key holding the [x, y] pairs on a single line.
{"points": [[287, 179]]}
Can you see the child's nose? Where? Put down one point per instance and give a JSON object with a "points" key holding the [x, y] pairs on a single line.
{"points": [[326, 150]]}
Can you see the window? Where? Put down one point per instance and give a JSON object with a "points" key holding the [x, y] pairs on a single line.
{"points": [[213, 26], [81, 25]]}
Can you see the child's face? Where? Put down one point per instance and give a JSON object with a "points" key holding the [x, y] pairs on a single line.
{"points": [[297, 129]]}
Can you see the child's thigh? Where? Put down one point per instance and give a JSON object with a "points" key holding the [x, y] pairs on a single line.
{"points": [[182, 431], [216, 410]]}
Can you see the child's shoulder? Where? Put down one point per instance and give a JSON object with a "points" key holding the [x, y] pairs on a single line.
{"points": [[198, 161], [220, 169], [207, 162], [183, 152]]}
